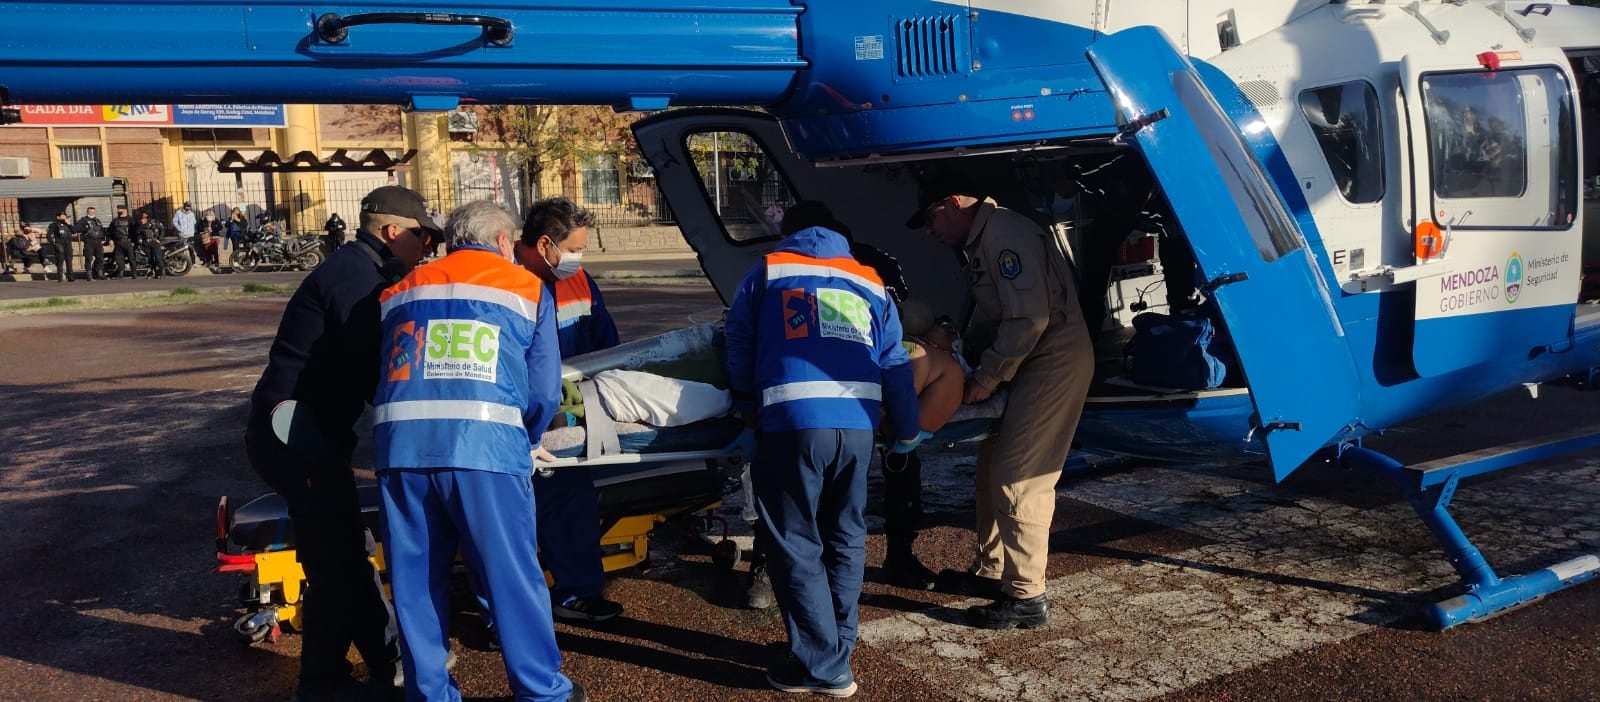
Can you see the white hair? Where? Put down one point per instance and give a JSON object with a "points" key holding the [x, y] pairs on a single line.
{"points": [[479, 222]]}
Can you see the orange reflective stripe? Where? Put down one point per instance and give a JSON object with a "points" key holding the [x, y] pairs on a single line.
{"points": [[573, 289], [471, 267], [846, 264]]}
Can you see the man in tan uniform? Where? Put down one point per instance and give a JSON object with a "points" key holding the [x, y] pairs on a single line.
{"points": [[1031, 331]]}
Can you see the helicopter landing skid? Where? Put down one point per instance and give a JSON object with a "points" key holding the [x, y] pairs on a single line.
{"points": [[1430, 486]]}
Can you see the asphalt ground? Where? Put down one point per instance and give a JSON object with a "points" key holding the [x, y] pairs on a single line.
{"points": [[122, 428]]}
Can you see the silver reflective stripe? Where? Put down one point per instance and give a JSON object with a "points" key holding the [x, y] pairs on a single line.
{"points": [[790, 270], [820, 389], [465, 291], [447, 409]]}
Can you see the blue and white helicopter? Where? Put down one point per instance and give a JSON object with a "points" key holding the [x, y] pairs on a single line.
{"points": [[1389, 205]]}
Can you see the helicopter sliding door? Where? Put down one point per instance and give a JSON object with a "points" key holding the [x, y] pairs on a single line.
{"points": [[1496, 198], [730, 175], [1275, 303]]}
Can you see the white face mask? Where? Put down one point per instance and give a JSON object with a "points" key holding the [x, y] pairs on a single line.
{"points": [[568, 266]]}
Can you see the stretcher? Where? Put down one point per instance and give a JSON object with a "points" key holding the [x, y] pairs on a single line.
{"points": [[643, 475]]}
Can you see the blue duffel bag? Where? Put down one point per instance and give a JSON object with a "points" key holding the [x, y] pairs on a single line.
{"points": [[1175, 351]]}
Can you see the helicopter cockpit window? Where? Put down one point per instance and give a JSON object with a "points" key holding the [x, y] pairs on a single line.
{"points": [[1503, 148], [1345, 118], [747, 191]]}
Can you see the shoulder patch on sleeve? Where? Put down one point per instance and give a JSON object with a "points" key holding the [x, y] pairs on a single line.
{"points": [[1010, 264]]}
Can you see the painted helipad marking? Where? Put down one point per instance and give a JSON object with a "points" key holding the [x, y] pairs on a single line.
{"points": [[1287, 572]]}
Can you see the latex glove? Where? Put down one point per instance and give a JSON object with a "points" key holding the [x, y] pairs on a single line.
{"points": [[744, 445], [541, 455], [909, 445]]}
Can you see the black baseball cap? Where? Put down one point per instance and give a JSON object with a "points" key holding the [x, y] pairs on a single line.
{"points": [[401, 202], [937, 188]]}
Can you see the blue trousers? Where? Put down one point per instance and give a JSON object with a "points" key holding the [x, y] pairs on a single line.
{"points": [[811, 492], [427, 516], [568, 512]]}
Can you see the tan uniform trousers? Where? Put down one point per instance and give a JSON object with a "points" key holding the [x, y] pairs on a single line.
{"points": [[1018, 467]]}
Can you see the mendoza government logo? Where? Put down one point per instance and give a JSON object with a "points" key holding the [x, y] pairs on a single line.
{"points": [[1513, 279]]}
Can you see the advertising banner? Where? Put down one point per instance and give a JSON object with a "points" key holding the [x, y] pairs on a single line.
{"points": [[194, 116]]}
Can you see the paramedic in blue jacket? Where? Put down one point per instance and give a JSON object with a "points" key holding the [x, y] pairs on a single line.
{"points": [[553, 240], [813, 344], [470, 378]]}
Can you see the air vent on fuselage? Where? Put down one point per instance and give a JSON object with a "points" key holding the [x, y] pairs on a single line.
{"points": [[1261, 93], [932, 46]]}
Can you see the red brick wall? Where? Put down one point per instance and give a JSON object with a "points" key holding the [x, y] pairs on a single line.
{"points": [[368, 124], [78, 134], [28, 143]]}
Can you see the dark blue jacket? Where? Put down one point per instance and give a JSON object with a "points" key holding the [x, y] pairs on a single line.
{"points": [[813, 341], [326, 353]]}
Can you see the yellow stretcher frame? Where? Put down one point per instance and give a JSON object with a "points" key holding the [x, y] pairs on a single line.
{"points": [[279, 581]]}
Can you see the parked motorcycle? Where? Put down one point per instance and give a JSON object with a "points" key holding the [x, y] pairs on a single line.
{"points": [[264, 247], [178, 259]]}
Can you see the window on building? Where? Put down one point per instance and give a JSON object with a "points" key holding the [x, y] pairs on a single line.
{"points": [[601, 184], [80, 162], [1502, 147], [1347, 122], [742, 182]]}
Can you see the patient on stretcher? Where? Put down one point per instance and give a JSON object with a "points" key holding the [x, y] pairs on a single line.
{"points": [[938, 370]]}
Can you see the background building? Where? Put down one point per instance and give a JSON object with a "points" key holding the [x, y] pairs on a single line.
{"points": [[299, 163]]}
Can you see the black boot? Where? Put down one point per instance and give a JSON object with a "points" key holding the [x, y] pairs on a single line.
{"points": [[966, 584], [1008, 612], [903, 569]]}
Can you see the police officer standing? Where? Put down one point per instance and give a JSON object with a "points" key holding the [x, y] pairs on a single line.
{"points": [[334, 228], [1039, 346], [93, 234], [121, 233], [813, 346], [326, 359], [60, 234], [148, 235]]}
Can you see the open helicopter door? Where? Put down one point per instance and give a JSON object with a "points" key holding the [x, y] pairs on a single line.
{"points": [[730, 174], [1290, 343], [1496, 201]]}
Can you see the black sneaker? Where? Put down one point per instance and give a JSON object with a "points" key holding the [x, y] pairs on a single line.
{"points": [[961, 582], [578, 693], [759, 595], [1011, 613], [790, 677], [904, 570], [586, 609]]}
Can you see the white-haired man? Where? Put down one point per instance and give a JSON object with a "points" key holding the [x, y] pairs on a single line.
{"points": [[471, 377]]}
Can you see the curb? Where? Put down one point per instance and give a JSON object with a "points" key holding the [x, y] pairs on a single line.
{"points": [[80, 301], [625, 273]]}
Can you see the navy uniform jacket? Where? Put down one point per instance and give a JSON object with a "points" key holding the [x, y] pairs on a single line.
{"points": [[326, 353]]}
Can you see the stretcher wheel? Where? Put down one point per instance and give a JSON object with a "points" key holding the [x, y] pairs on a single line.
{"points": [[255, 627], [726, 554]]}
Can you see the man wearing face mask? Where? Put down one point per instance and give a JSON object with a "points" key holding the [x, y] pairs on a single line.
{"points": [[552, 244]]}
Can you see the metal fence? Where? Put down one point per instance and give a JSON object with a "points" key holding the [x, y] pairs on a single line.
{"points": [[303, 211]]}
